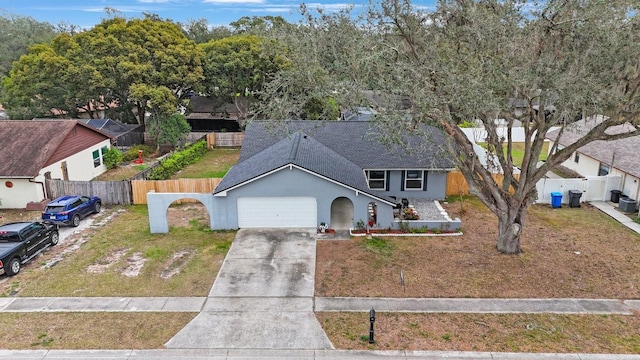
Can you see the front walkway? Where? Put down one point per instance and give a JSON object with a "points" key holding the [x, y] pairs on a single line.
{"points": [[609, 209]]}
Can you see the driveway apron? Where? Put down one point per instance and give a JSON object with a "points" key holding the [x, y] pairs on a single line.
{"points": [[262, 297]]}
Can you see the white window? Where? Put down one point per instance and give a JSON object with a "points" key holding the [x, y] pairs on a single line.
{"points": [[413, 179], [377, 179]]}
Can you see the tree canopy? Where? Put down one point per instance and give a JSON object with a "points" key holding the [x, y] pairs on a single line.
{"points": [[240, 65], [104, 67], [17, 33], [543, 65]]}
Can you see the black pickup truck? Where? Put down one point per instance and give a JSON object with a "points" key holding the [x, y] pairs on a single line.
{"points": [[22, 241]]}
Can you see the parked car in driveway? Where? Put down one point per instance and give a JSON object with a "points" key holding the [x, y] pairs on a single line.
{"points": [[22, 241], [70, 209]]}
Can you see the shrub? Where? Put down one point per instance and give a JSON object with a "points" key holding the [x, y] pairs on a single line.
{"points": [[178, 160], [132, 153], [112, 157]]}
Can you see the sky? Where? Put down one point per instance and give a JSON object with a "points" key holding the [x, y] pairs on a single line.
{"points": [[87, 13]]}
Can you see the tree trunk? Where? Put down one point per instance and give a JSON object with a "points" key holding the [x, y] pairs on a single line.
{"points": [[509, 228]]}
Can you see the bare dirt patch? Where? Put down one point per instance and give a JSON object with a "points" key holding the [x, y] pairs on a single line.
{"points": [[567, 253], [135, 262], [178, 261], [187, 213], [107, 261]]}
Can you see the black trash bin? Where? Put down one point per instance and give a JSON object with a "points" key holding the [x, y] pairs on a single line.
{"points": [[574, 198], [615, 196], [628, 205]]}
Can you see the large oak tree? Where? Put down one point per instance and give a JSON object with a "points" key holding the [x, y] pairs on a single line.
{"points": [[103, 68], [542, 64]]}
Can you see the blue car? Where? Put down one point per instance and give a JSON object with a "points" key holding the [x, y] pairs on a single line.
{"points": [[70, 209]]}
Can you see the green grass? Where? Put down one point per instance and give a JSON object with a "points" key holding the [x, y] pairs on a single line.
{"points": [[380, 246], [517, 152], [214, 164]]}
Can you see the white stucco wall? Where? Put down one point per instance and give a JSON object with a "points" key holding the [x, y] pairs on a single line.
{"points": [[79, 166], [22, 192]]}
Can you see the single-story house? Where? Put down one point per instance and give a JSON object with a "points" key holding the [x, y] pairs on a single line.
{"points": [[303, 173], [599, 158], [33, 150]]}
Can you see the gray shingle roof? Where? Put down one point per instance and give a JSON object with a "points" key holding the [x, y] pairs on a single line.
{"points": [[338, 150], [305, 152], [356, 141], [625, 150]]}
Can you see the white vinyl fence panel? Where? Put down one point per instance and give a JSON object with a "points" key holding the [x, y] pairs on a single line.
{"points": [[593, 188]]}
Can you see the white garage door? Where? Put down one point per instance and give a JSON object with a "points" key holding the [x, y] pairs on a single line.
{"points": [[277, 212]]}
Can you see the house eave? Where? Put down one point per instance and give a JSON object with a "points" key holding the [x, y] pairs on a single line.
{"points": [[291, 166]]}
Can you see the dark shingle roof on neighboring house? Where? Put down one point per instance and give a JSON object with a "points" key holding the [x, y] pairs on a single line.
{"points": [[304, 152], [625, 151]]}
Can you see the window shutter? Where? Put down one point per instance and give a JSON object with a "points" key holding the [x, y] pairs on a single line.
{"points": [[403, 172], [387, 178], [424, 180]]}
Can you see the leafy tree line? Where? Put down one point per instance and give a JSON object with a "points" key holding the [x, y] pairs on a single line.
{"points": [[137, 70]]}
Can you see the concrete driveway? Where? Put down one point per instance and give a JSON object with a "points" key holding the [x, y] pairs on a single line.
{"points": [[262, 297]]}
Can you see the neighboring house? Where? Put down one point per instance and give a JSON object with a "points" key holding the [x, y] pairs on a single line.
{"points": [[599, 158], [34, 149], [337, 172], [207, 114]]}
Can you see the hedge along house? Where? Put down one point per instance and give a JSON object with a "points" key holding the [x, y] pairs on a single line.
{"points": [[338, 172]]}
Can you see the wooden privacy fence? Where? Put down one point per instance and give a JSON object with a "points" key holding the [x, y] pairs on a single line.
{"points": [[457, 184], [225, 139], [140, 188], [110, 192]]}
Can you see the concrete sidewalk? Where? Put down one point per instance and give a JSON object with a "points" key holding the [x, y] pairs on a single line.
{"points": [[298, 304], [237, 354]]}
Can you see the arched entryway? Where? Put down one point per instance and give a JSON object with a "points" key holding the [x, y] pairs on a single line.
{"points": [[341, 213], [158, 205]]}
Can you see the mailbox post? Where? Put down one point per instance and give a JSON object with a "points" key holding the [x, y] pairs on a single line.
{"points": [[372, 319]]}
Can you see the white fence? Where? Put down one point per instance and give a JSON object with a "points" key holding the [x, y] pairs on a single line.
{"points": [[477, 135], [593, 188]]}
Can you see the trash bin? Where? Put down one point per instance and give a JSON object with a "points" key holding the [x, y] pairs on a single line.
{"points": [[615, 196], [574, 198], [628, 205], [556, 199]]}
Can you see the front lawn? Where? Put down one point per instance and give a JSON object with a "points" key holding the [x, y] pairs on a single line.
{"points": [[183, 261], [567, 253]]}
